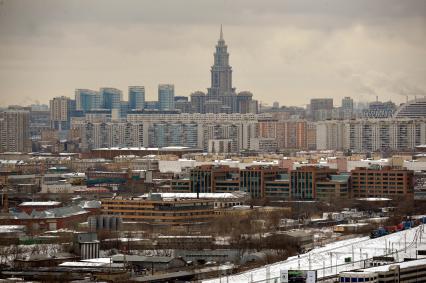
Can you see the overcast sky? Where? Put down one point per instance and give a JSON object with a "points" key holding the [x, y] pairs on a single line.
{"points": [[285, 51]]}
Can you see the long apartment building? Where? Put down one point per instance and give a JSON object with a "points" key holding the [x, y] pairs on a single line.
{"points": [[153, 130], [241, 132], [366, 135], [158, 211]]}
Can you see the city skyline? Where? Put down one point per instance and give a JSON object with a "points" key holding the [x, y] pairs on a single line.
{"points": [[335, 47]]}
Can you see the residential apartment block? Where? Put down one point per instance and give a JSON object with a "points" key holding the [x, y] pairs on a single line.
{"points": [[14, 131]]}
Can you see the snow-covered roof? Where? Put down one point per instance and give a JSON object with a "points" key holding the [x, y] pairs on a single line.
{"points": [[201, 195], [90, 204], [60, 212], [98, 260], [352, 225], [144, 148], [83, 264], [374, 199], [12, 228], [40, 203]]}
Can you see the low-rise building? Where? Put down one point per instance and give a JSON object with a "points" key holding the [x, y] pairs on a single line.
{"points": [[305, 179], [255, 179], [50, 219], [155, 211], [221, 200], [377, 181], [29, 206], [157, 263], [214, 179]]}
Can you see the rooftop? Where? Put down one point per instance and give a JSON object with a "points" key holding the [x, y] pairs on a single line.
{"points": [[384, 268], [201, 195], [167, 148], [40, 203], [60, 212]]}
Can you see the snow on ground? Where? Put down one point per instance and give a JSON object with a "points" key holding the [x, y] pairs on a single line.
{"points": [[330, 259]]}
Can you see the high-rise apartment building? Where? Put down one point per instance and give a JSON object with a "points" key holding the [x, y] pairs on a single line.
{"points": [[136, 97], [109, 134], [164, 134], [330, 135], [379, 110], [384, 135], [321, 108], [366, 135], [166, 94], [182, 104], [61, 109], [292, 134], [14, 131], [198, 101], [245, 103], [86, 100], [347, 109], [39, 120], [414, 109], [111, 98]]}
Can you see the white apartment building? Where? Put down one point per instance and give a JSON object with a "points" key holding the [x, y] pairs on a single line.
{"points": [[14, 131], [366, 135]]}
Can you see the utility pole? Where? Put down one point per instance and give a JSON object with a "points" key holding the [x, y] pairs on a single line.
{"points": [[405, 242]]}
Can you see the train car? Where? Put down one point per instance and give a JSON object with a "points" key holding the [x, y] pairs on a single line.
{"points": [[391, 229], [407, 224], [378, 233]]}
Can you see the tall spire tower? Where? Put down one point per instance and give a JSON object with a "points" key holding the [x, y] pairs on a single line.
{"points": [[221, 71]]}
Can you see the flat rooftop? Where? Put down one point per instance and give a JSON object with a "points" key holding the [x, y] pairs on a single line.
{"points": [[40, 203]]}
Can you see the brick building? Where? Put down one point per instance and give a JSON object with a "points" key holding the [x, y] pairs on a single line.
{"points": [[157, 211], [214, 179], [379, 181], [258, 180]]}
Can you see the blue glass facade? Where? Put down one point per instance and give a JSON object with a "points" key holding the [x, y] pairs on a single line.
{"points": [[166, 94], [136, 97], [111, 98], [87, 100]]}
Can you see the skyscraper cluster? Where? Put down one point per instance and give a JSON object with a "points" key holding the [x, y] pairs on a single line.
{"points": [[220, 120]]}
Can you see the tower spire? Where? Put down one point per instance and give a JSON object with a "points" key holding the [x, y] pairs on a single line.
{"points": [[221, 32]]}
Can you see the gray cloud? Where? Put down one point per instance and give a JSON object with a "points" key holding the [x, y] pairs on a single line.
{"points": [[293, 50]]}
